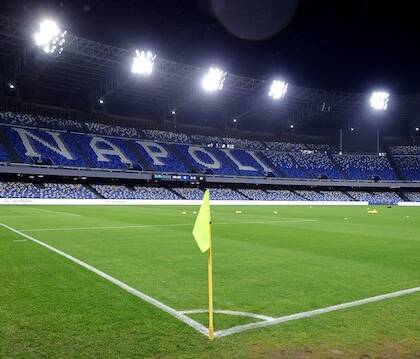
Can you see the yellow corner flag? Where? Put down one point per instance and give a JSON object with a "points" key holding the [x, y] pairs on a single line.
{"points": [[202, 231], [202, 235]]}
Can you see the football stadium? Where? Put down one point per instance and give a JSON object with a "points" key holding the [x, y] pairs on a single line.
{"points": [[175, 182]]}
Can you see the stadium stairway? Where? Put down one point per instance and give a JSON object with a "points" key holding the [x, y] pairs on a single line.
{"points": [[13, 156], [277, 171], [140, 160], [242, 194], [403, 196], [348, 194], [308, 175], [191, 168], [395, 166], [93, 190], [340, 169], [83, 154], [174, 192], [299, 195], [177, 193]]}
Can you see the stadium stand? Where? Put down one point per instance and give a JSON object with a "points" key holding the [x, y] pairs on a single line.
{"points": [[383, 197], [49, 146], [285, 147], [114, 191], [364, 166], [316, 165], [413, 196], [101, 146], [270, 195], [137, 192], [166, 136], [47, 190], [284, 195], [109, 130], [15, 189], [409, 166], [334, 196], [154, 193], [3, 155], [189, 193], [286, 164], [243, 143], [405, 150], [226, 194]]}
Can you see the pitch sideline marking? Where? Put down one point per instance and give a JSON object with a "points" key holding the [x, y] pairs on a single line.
{"points": [[58, 212], [178, 315], [311, 313], [159, 225]]}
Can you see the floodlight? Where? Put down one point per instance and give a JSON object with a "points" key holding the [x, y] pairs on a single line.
{"points": [[278, 89], [235, 120], [50, 38], [351, 129], [143, 63], [173, 112], [417, 129], [213, 80], [101, 101], [379, 100], [292, 126], [11, 86]]}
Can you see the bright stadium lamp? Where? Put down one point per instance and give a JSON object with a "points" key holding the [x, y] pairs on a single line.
{"points": [[213, 80], [50, 38], [143, 63], [278, 89], [379, 100]]}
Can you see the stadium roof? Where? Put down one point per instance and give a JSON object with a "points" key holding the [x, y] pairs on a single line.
{"points": [[88, 70]]}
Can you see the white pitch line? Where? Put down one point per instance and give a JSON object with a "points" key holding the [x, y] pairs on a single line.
{"points": [[229, 312], [178, 315], [20, 240], [159, 225], [59, 212], [311, 313]]}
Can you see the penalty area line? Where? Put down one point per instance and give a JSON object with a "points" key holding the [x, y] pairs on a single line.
{"points": [[311, 313], [178, 315]]}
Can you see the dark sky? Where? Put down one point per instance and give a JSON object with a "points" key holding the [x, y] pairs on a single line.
{"points": [[345, 45]]}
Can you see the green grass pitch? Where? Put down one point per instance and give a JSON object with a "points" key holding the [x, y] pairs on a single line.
{"points": [[275, 264]]}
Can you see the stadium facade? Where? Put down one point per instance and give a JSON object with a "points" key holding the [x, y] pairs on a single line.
{"points": [[85, 152]]}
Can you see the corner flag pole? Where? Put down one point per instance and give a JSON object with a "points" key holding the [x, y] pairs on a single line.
{"points": [[202, 235], [210, 282]]}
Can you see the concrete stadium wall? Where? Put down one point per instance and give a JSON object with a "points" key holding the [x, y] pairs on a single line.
{"points": [[39, 201]]}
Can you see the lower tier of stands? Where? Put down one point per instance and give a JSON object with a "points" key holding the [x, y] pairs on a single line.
{"points": [[14, 189]]}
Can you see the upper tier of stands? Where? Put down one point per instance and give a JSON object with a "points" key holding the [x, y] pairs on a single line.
{"points": [[61, 142], [365, 166]]}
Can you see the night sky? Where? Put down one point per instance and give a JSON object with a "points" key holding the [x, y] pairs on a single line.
{"points": [[345, 45]]}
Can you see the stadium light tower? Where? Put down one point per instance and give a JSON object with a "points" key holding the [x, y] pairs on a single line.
{"points": [[379, 100], [50, 38], [278, 89], [213, 80], [143, 63]]}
